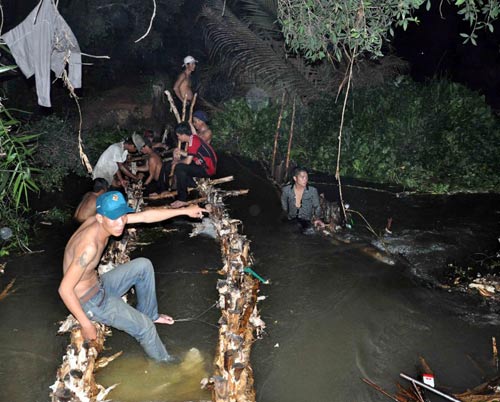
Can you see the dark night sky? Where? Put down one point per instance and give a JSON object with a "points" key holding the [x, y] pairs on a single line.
{"points": [[435, 48]]}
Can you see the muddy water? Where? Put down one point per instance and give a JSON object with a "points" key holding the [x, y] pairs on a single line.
{"points": [[334, 314]]}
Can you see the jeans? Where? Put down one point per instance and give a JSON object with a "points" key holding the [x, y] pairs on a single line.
{"points": [[184, 176], [108, 307]]}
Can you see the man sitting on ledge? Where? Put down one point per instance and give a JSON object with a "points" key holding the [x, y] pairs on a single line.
{"points": [[90, 297], [199, 160]]}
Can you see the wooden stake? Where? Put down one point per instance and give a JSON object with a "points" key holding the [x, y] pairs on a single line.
{"points": [[495, 351], [171, 175], [191, 109], [7, 290], [287, 163], [184, 102], [170, 194], [189, 202], [173, 108], [276, 135], [379, 389]]}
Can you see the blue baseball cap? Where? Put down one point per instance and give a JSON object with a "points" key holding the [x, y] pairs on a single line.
{"points": [[112, 205]]}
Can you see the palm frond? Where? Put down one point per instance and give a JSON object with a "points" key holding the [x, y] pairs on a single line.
{"points": [[245, 53], [262, 16]]}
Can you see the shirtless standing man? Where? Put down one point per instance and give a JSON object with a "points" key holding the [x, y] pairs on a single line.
{"points": [[86, 208], [182, 86], [90, 297]]}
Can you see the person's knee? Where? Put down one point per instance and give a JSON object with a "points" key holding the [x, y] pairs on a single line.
{"points": [[143, 266], [146, 264], [180, 170]]}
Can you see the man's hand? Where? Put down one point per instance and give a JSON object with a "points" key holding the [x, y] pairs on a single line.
{"points": [[195, 211], [177, 154], [89, 331], [318, 223]]}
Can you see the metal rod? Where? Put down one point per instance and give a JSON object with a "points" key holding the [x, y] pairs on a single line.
{"points": [[428, 387]]}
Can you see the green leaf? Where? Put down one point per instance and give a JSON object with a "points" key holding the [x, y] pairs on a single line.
{"points": [[3, 69]]}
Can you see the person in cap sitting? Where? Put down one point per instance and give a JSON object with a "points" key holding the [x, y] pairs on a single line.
{"points": [[199, 160], [200, 123], [182, 86], [86, 208], [90, 297]]}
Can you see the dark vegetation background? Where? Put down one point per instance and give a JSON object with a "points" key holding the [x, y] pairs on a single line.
{"points": [[422, 117]]}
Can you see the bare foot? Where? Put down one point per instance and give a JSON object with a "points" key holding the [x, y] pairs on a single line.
{"points": [[164, 319], [178, 204]]}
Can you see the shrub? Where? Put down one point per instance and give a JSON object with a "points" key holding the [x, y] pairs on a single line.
{"points": [[58, 154], [16, 180], [438, 136]]}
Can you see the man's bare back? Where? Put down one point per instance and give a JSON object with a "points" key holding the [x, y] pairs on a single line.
{"points": [[155, 163]]}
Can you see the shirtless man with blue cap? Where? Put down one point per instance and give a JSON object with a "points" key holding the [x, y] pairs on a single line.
{"points": [[90, 297]]}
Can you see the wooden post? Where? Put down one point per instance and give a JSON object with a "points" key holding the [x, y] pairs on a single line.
{"points": [[276, 135], [287, 163], [184, 101], [173, 108], [191, 109]]}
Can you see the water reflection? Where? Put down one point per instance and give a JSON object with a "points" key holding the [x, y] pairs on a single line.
{"points": [[140, 379]]}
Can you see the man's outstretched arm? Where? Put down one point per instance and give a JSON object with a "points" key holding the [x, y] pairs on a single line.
{"points": [[161, 214]]}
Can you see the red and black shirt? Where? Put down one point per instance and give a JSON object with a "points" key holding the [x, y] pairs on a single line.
{"points": [[203, 154]]}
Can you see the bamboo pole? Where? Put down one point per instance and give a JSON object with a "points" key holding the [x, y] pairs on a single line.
{"points": [[173, 108], [287, 164], [171, 194], [276, 135], [184, 102], [189, 202], [191, 109]]}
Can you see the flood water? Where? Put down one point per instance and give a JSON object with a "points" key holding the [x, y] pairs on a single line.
{"points": [[334, 313]]}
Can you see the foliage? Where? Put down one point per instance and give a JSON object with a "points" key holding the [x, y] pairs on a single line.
{"points": [[16, 221], [57, 215], [58, 154], [246, 131], [434, 137], [16, 179], [335, 28], [437, 137]]}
